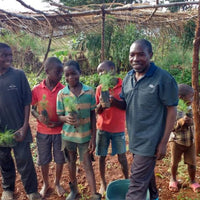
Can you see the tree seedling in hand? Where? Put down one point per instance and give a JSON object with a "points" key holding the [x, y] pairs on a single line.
{"points": [[7, 138], [70, 104], [107, 81]]}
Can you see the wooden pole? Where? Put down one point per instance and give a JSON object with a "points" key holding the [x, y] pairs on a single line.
{"points": [[46, 54], [195, 84], [103, 35]]}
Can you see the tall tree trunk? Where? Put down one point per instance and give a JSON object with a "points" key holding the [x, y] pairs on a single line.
{"points": [[195, 84]]}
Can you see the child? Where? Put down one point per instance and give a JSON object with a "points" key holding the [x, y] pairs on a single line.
{"points": [[110, 125], [182, 141], [15, 99], [48, 126], [78, 134]]}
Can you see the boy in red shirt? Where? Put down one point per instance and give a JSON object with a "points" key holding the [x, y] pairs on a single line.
{"points": [[110, 125], [48, 127]]}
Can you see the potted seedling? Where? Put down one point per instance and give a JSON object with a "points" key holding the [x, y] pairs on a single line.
{"points": [[108, 82], [70, 104], [43, 104], [183, 107], [7, 138]]}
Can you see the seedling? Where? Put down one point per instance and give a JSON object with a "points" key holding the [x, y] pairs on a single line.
{"points": [[108, 82], [7, 138], [43, 104], [70, 104], [183, 107]]}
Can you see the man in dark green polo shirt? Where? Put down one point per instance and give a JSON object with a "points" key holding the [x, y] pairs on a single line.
{"points": [[151, 97]]}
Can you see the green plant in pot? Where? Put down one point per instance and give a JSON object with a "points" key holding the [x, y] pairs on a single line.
{"points": [[70, 104], [107, 81]]}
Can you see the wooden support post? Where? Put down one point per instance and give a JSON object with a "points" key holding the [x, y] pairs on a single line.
{"points": [[46, 54], [103, 35], [195, 84]]}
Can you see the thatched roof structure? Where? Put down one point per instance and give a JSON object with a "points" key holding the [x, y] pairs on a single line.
{"points": [[67, 21]]}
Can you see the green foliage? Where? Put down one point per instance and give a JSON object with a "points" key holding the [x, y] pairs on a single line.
{"points": [[61, 55], [33, 79], [122, 38], [187, 36], [70, 104], [182, 106], [23, 41], [91, 80], [107, 81], [93, 46], [173, 58], [117, 44], [27, 50], [7, 138], [44, 102]]}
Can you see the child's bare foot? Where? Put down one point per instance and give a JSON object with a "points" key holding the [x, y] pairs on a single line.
{"points": [[173, 186], [44, 190], [59, 190], [102, 189]]}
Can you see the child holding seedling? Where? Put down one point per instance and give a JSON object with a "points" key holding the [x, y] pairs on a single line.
{"points": [[110, 121], [15, 99], [79, 129], [182, 139], [48, 127]]}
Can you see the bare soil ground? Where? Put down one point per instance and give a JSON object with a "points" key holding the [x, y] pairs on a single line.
{"points": [[113, 172]]}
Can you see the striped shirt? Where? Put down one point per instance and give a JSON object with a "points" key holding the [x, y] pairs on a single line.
{"points": [[85, 103]]}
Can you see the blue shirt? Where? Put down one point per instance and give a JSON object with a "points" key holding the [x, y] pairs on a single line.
{"points": [[147, 100], [15, 94]]}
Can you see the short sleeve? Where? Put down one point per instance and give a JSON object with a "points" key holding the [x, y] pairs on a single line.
{"points": [[34, 96], [26, 90], [93, 100], [60, 109], [122, 92], [168, 91], [97, 96]]}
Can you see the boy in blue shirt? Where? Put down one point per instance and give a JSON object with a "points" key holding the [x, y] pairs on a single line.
{"points": [[15, 99]]}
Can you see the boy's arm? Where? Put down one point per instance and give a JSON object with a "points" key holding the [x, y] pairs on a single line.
{"points": [[38, 116], [34, 112], [121, 104], [99, 109], [170, 120], [21, 133], [92, 144]]}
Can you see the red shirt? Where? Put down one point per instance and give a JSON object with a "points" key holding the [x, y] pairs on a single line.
{"points": [[38, 93], [111, 119]]}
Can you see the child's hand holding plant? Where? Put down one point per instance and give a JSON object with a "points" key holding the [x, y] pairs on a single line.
{"points": [[72, 117], [187, 119]]}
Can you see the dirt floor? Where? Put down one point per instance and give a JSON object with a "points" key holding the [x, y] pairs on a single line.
{"points": [[113, 172]]}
